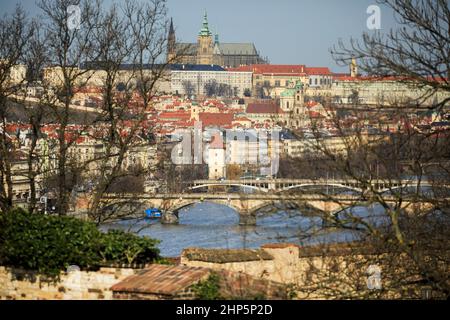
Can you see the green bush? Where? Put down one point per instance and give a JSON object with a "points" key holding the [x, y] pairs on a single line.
{"points": [[208, 289], [122, 247], [49, 244]]}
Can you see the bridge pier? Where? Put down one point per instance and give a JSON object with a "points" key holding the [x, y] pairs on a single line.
{"points": [[247, 219], [169, 217]]}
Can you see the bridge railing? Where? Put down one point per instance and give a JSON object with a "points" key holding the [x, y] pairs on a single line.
{"points": [[281, 184]]}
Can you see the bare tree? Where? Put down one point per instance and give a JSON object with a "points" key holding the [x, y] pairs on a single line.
{"points": [[405, 174], [68, 48], [418, 52], [14, 34], [141, 41], [188, 87]]}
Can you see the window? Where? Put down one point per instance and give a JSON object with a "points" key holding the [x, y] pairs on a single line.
{"points": [[315, 81], [277, 83]]}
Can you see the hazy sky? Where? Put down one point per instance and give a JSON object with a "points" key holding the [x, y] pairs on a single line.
{"points": [[287, 31]]}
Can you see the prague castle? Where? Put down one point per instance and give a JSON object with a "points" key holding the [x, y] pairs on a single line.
{"points": [[208, 50]]}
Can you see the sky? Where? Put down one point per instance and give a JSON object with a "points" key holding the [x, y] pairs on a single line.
{"points": [[286, 31]]}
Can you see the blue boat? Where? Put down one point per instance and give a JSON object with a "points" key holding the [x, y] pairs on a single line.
{"points": [[152, 213]]}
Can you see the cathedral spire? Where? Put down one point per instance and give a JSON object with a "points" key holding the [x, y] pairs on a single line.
{"points": [[216, 37], [205, 29], [171, 30], [171, 42]]}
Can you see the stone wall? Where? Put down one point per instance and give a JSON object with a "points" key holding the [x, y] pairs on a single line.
{"points": [[284, 265], [78, 285], [320, 272]]}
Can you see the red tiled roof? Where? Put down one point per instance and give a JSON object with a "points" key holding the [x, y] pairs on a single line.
{"points": [[215, 119], [178, 115], [217, 141], [272, 68], [162, 279], [242, 119], [385, 78], [263, 108], [317, 71], [311, 103], [314, 114]]}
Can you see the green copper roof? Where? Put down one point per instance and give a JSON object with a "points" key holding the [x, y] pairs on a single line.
{"points": [[205, 29], [290, 92], [298, 85]]}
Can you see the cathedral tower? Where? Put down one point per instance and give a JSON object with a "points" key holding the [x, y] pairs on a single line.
{"points": [[171, 43], [205, 44]]}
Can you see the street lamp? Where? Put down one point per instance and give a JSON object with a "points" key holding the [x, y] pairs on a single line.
{"points": [[44, 200]]}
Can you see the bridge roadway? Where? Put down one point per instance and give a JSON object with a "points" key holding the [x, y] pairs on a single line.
{"points": [[279, 185], [247, 205]]}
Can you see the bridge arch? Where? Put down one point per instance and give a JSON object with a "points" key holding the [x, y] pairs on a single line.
{"points": [[189, 202], [289, 205]]}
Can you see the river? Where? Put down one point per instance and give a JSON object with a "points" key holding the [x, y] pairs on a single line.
{"points": [[209, 225]]}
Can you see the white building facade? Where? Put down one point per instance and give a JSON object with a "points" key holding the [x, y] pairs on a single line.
{"points": [[239, 82]]}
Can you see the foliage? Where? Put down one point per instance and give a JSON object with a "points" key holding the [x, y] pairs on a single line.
{"points": [[234, 171], [49, 244], [208, 289], [118, 246], [213, 88], [188, 87]]}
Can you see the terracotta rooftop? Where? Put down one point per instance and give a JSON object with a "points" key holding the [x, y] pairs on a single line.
{"points": [[162, 279], [217, 141], [318, 71], [272, 68], [263, 108], [215, 119], [225, 256]]}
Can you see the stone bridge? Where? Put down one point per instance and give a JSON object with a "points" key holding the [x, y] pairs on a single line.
{"points": [[247, 205]]}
